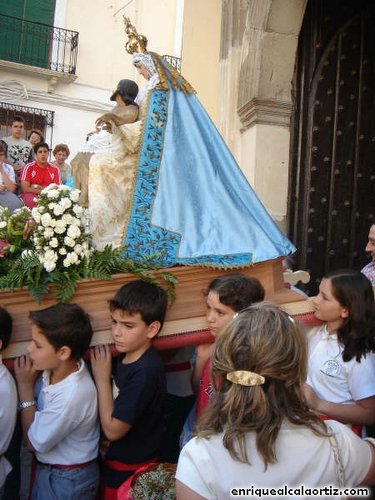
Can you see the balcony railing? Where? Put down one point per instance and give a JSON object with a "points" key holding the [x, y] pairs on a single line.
{"points": [[37, 44], [174, 61]]}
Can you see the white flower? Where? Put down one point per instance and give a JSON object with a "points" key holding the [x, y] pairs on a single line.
{"points": [[76, 222], [67, 218], [49, 266], [69, 241], [50, 255], [51, 187], [78, 210], [62, 251], [58, 210], [78, 249], [65, 203], [73, 257], [51, 205], [53, 194], [60, 227], [3, 224], [74, 195], [67, 261], [48, 232], [36, 216], [74, 232], [54, 243], [46, 219]]}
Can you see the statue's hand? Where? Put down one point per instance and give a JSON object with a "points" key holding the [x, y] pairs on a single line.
{"points": [[103, 123]]}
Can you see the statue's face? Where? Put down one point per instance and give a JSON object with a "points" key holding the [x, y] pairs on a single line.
{"points": [[143, 71]]}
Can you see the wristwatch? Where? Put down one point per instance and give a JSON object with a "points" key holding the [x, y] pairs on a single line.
{"points": [[26, 404]]}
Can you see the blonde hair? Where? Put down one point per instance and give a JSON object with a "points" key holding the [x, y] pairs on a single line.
{"points": [[265, 340]]}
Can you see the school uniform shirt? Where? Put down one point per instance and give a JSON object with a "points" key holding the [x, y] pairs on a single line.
{"points": [[44, 176], [65, 429], [8, 414], [332, 378], [303, 458]]}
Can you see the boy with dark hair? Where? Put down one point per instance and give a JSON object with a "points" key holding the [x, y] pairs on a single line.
{"points": [[8, 399], [61, 426], [38, 174], [133, 422]]}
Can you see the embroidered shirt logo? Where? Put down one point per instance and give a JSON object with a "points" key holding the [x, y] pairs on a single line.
{"points": [[331, 368]]}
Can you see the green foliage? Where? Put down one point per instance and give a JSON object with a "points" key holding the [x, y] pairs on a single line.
{"points": [[28, 271]]}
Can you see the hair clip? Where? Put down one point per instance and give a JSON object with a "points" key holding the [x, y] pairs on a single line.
{"points": [[244, 377]]}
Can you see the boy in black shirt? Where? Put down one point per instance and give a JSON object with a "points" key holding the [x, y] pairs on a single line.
{"points": [[133, 422]]}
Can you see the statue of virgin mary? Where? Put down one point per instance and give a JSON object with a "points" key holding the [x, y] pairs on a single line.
{"points": [[188, 202]]}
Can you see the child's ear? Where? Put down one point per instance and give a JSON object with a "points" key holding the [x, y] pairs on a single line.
{"points": [[65, 353], [344, 313], [153, 329]]}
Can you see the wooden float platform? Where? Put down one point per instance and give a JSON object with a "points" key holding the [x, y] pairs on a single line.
{"points": [[185, 320]]}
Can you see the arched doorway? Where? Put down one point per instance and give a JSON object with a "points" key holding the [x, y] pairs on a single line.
{"points": [[332, 174]]}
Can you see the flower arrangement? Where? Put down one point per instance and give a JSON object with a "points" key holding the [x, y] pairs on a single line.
{"points": [[15, 228], [61, 237], [51, 246]]}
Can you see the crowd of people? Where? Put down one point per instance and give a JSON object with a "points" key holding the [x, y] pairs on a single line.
{"points": [[25, 168]]}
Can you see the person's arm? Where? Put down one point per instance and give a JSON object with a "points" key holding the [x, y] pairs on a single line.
{"points": [[101, 363], [26, 375], [204, 351], [7, 181], [119, 116], [27, 187], [185, 493], [360, 412]]}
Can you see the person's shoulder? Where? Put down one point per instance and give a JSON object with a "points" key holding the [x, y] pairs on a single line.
{"points": [[314, 334], [151, 357], [51, 165]]}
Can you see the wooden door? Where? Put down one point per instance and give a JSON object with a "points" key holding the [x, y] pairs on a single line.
{"points": [[332, 180]]}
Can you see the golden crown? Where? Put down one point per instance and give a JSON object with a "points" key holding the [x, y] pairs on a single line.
{"points": [[136, 43]]}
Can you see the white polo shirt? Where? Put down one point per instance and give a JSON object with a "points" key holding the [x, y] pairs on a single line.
{"points": [[65, 429], [8, 414], [333, 379]]}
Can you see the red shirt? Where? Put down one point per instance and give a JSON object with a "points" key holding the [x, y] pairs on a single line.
{"points": [[44, 176]]}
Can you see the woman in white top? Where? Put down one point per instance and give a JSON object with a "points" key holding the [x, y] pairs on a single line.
{"points": [[258, 432]]}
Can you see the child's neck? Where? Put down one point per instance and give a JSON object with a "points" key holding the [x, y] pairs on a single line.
{"points": [[333, 326], [65, 369]]}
